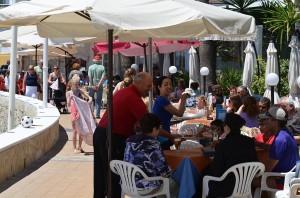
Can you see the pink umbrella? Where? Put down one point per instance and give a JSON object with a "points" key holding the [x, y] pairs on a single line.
{"points": [[139, 48]]}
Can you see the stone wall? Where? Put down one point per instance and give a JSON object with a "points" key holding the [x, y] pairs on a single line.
{"points": [[20, 146], [22, 109]]}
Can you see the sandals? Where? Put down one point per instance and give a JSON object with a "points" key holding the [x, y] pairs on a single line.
{"points": [[79, 150]]}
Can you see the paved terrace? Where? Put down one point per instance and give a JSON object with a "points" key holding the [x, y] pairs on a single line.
{"points": [[60, 173]]}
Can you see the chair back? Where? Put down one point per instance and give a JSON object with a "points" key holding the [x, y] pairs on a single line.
{"points": [[244, 174], [127, 172], [187, 144]]}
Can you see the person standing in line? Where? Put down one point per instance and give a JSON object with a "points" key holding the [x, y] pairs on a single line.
{"points": [[39, 71], [97, 76], [127, 112], [30, 82]]}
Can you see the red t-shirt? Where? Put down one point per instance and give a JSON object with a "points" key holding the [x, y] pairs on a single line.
{"points": [[128, 108], [261, 138]]}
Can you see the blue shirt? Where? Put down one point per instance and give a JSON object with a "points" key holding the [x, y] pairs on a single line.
{"points": [[285, 150], [165, 116], [145, 152]]}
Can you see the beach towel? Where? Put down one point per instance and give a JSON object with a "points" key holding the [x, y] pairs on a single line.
{"points": [[83, 119]]}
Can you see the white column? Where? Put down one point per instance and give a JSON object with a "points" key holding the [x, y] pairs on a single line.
{"points": [[12, 78], [45, 73]]}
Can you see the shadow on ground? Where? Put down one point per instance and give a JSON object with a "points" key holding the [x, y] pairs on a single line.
{"points": [[62, 140]]}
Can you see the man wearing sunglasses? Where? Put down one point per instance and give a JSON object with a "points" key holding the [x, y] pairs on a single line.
{"points": [[264, 104], [283, 151]]}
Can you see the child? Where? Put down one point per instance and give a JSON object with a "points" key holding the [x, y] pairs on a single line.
{"points": [[76, 92]]}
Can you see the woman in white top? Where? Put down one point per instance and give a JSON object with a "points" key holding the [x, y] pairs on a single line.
{"points": [[129, 74]]}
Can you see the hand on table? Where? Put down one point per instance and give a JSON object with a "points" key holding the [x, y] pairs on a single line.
{"points": [[174, 136]]}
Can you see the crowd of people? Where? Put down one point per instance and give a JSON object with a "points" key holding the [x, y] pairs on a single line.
{"points": [[140, 137]]}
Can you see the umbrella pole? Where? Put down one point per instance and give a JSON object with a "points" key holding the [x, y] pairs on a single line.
{"points": [[151, 73], [257, 62], [145, 56], [110, 107]]}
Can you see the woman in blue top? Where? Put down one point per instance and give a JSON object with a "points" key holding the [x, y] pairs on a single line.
{"points": [[165, 110]]}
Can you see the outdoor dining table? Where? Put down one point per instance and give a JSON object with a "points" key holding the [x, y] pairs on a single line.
{"points": [[201, 161]]}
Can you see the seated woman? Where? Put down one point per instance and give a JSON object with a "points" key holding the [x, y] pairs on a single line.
{"points": [[144, 151], [234, 149], [249, 111], [215, 126], [235, 102]]}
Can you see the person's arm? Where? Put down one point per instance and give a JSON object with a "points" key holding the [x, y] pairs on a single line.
{"points": [[240, 110], [262, 145], [101, 81], [170, 136], [271, 164], [68, 96], [86, 95], [91, 81], [178, 112], [24, 82]]}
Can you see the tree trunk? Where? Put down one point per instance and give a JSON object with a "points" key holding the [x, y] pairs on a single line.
{"points": [[207, 53], [207, 56]]}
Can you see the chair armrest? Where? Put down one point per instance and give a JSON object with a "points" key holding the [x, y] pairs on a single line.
{"points": [[264, 185], [293, 190], [206, 179]]}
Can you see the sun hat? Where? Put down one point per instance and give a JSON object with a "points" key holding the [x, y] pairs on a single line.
{"points": [[188, 91], [274, 112]]}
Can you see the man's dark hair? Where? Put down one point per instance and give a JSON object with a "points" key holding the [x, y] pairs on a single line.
{"points": [[218, 123], [148, 122], [265, 100]]}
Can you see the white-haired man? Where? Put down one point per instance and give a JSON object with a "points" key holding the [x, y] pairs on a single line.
{"points": [[293, 121]]}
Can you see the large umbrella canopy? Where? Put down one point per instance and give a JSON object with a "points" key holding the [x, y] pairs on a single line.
{"points": [[39, 52], [249, 65], [166, 19], [272, 67], [194, 68], [294, 66]]}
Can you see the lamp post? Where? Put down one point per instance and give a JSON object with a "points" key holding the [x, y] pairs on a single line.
{"points": [[272, 80], [172, 70], [204, 71]]}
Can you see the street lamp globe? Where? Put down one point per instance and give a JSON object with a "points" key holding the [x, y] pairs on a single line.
{"points": [[172, 69], [204, 71], [272, 79]]}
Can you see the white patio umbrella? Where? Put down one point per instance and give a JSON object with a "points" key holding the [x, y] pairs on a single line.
{"points": [[194, 68], [294, 66], [272, 67], [39, 52], [166, 64], [249, 66], [166, 19]]}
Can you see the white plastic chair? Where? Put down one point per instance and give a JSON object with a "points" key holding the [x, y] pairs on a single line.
{"points": [[127, 172], [244, 174], [291, 190], [264, 187], [187, 144]]}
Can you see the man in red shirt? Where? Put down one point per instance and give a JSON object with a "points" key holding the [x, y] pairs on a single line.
{"points": [[128, 109]]}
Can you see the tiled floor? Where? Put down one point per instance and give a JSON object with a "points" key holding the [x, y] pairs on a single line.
{"points": [[59, 174]]}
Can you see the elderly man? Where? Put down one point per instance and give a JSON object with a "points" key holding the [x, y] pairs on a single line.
{"points": [[243, 92], [293, 121], [97, 76], [283, 151], [264, 104], [39, 71], [128, 109]]}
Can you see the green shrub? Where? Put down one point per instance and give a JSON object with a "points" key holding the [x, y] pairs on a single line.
{"points": [[227, 77]]}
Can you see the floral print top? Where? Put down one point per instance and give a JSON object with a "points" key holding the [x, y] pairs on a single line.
{"points": [[145, 152]]}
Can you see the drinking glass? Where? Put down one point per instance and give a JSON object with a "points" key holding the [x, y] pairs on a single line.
{"points": [[177, 143]]}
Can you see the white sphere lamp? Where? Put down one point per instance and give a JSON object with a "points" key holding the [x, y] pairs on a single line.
{"points": [[272, 79], [204, 71], [172, 69]]}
